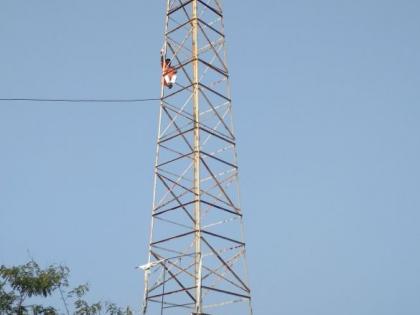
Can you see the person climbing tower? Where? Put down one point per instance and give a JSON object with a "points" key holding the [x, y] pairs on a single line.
{"points": [[168, 72]]}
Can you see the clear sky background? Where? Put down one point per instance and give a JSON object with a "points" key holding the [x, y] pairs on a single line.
{"points": [[327, 112]]}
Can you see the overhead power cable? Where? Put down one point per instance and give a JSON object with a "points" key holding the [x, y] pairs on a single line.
{"points": [[78, 100]]}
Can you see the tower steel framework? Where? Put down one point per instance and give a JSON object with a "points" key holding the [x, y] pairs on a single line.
{"points": [[197, 262]]}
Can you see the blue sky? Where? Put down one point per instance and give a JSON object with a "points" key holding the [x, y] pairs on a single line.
{"points": [[327, 113]]}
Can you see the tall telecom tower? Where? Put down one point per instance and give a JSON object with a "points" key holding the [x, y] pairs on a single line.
{"points": [[197, 259]]}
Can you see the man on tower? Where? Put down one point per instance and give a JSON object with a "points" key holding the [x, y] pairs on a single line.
{"points": [[168, 72]]}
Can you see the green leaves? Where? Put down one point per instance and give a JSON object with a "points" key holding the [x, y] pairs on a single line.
{"points": [[6, 299], [112, 309], [79, 291], [29, 280], [18, 283], [81, 306], [40, 310]]}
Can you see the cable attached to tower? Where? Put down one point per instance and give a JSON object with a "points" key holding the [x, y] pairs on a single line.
{"points": [[79, 100]]}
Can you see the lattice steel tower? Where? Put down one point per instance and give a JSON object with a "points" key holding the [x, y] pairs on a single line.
{"points": [[197, 254]]}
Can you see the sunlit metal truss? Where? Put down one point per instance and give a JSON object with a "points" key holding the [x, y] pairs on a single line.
{"points": [[197, 259]]}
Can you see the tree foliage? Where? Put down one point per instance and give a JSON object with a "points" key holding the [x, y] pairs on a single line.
{"points": [[20, 284]]}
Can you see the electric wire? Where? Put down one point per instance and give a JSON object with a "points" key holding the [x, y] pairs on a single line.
{"points": [[79, 100]]}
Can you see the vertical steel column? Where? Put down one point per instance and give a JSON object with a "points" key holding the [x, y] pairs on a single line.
{"points": [[196, 110]]}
